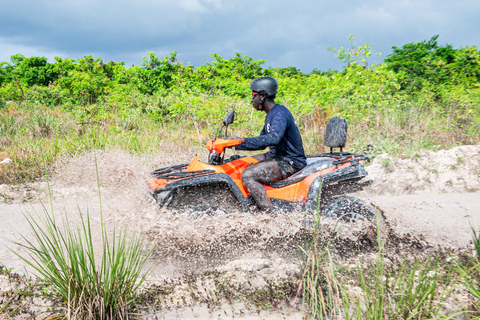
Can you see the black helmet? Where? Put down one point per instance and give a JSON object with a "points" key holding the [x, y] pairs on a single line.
{"points": [[267, 84]]}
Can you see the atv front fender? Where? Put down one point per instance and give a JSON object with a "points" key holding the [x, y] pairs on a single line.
{"points": [[164, 196]]}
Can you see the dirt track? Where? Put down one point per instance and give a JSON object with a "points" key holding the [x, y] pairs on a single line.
{"points": [[434, 198]]}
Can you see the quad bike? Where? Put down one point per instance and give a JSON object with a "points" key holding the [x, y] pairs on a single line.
{"points": [[319, 187]]}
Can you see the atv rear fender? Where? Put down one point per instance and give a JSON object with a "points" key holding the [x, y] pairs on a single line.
{"points": [[351, 174]]}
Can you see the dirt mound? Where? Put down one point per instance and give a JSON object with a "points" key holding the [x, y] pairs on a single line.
{"points": [[445, 171], [433, 197]]}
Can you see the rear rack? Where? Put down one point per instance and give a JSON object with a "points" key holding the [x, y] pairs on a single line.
{"points": [[177, 172], [342, 157]]}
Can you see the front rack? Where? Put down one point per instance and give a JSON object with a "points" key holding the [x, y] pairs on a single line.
{"points": [[177, 172]]}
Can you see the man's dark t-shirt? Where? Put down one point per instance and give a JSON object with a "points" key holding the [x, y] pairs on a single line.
{"points": [[281, 134]]}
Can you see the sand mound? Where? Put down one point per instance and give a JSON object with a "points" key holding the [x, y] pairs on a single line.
{"points": [[445, 171]]}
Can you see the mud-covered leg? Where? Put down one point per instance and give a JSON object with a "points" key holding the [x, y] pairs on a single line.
{"points": [[255, 176]]}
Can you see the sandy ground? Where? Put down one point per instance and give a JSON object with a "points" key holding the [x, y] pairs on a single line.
{"points": [[433, 197]]}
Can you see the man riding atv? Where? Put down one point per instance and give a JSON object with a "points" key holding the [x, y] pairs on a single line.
{"points": [[281, 134]]}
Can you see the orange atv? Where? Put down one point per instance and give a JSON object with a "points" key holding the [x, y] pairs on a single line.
{"points": [[216, 186]]}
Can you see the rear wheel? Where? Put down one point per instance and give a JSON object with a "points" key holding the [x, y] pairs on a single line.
{"points": [[355, 215], [356, 220], [349, 209]]}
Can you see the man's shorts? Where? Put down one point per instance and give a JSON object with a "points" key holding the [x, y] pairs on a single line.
{"points": [[287, 166]]}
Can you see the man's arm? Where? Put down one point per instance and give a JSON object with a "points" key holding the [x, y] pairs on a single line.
{"points": [[272, 138]]}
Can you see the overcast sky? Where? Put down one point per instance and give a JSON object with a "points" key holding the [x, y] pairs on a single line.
{"points": [[285, 33]]}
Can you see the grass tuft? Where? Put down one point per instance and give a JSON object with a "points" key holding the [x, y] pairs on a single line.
{"points": [[319, 287], [469, 271], [65, 260]]}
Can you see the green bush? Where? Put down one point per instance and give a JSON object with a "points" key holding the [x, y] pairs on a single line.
{"points": [[397, 107]]}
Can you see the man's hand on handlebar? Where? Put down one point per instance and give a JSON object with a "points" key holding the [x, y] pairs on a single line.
{"points": [[232, 137]]}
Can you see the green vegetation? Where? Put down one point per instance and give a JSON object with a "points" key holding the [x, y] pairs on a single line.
{"points": [[424, 96], [386, 286], [89, 287], [469, 269]]}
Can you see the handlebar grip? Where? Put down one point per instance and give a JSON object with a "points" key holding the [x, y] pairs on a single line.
{"points": [[219, 145]]}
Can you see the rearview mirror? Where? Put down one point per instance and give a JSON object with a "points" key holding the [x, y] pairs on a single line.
{"points": [[229, 118]]}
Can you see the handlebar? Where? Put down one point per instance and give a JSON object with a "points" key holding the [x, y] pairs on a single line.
{"points": [[219, 145]]}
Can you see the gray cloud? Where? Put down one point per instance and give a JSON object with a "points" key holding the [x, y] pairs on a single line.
{"points": [[285, 33]]}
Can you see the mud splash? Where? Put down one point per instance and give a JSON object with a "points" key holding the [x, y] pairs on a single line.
{"points": [[239, 245], [208, 241]]}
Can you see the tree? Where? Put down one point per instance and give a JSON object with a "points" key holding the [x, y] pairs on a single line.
{"points": [[427, 63]]}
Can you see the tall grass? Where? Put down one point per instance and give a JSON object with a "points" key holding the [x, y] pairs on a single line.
{"points": [[29, 130], [320, 288], [373, 290], [411, 290], [469, 271], [65, 258]]}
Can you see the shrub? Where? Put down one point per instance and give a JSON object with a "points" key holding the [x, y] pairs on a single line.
{"points": [[65, 260]]}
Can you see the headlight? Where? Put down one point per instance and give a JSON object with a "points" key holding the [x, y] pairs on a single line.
{"points": [[161, 196]]}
